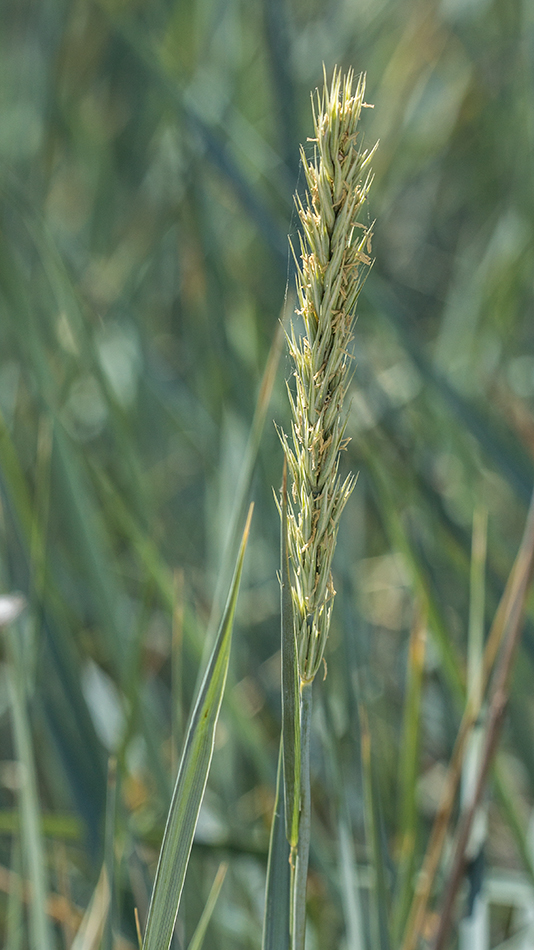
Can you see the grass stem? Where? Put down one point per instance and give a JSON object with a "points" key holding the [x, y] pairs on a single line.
{"points": [[303, 850]]}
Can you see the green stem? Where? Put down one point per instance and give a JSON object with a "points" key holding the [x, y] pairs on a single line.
{"points": [[300, 876], [30, 814]]}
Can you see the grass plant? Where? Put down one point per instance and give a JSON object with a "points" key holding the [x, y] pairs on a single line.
{"points": [[334, 256], [148, 162]]}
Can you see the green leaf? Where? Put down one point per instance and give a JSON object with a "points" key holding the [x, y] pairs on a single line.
{"points": [[33, 848], [191, 780], [15, 902], [200, 932], [277, 893], [290, 688]]}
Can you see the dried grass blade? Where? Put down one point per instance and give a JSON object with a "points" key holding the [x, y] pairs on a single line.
{"points": [[497, 707], [512, 600]]}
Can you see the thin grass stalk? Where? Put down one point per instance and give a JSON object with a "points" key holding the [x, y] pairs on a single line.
{"points": [[40, 934], [300, 876], [15, 900], [138, 929], [109, 849], [197, 939], [38, 564], [177, 666], [474, 928], [408, 770], [475, 652], [33, 845]]}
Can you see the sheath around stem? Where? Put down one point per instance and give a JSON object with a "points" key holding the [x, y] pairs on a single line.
{"points": [[334, 260]]}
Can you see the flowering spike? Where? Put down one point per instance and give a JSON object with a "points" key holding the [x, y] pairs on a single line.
{"points": [[334, 260]]}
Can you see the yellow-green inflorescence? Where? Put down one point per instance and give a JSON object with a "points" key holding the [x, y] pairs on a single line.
{"points": [[334, 260]]}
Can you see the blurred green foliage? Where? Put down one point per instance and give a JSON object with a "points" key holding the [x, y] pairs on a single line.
{"points": [[148, 157]]}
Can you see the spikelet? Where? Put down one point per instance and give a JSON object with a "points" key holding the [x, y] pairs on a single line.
{"points": [[334, 260]]}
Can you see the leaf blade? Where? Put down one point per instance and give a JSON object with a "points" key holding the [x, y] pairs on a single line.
{"points": [[192, 778], [34, 853], [277, 892], [200, 932]]}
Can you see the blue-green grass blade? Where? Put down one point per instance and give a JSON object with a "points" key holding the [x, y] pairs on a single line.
{"points": [[408, 772], [380, 902], [350, 889], [277, 892], [109, 850], [15, 902], [33, 848], [290, 688], [191, 781], [200, 932]]}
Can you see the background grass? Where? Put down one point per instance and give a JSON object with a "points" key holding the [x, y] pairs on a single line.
{"points": [[148, 156]]}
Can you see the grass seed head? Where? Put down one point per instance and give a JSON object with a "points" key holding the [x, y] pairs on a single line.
{"points": [[334, 260]]}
